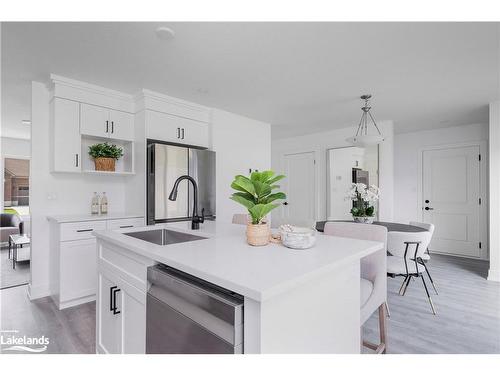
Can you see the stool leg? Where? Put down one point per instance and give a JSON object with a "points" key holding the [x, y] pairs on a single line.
{"points": [[382, 323]]}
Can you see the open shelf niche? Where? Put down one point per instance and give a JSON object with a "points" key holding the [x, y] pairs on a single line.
{"points": [[124, 165]]}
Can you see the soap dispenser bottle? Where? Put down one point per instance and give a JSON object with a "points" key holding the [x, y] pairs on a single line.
{"points": [[104, 203], [94, 209]]}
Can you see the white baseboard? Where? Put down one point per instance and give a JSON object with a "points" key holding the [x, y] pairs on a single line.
{"points": [[76, 301], [494, 275], [38, 291]]}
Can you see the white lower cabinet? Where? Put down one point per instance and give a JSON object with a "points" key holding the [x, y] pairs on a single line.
{"points": [[121, 300], [121, 316], [73, 259], [77, 265]]}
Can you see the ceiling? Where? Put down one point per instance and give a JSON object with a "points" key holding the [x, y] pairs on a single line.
{"points": [[300, 77]]}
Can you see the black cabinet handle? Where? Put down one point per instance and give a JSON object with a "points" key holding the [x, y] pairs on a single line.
{"points": [[76, 160], [126, 226], [428, 208], [111, 304], [84, 230], [107, 126], [112, 127], [182, 133], [115, 309], [285, 203], [178, 133]]}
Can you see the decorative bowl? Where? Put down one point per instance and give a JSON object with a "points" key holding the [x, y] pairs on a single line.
{"points": [[297, 237]]}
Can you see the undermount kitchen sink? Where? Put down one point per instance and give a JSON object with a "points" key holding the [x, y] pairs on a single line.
{"points": [[164, 236]]}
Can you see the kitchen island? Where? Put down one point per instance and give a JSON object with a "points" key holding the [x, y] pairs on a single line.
{"points": [[295, 301]]}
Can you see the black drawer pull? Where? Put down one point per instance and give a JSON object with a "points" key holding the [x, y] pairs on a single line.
{"points": [[126, 226], [84, 230]]}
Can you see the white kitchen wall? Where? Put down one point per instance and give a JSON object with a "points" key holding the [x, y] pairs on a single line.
{"points": [[57, 193], [320, 143], [407, 151], [241, 144]]}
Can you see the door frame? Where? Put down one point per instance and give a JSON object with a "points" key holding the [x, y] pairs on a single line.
{"points": [[316, 182], [483, 186]]}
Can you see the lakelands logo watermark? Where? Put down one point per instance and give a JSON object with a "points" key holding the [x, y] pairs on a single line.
{"points": [[12, 341]]}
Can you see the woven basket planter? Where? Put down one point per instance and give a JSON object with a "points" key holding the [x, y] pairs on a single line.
{"points": [[105, 164], [258, 234]]}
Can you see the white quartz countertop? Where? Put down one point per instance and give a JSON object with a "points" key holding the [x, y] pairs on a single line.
{"points": [[90, 217], [225, 259]]}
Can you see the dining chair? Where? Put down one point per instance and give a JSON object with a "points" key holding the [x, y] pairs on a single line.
{"points": [[373, 284], [426, 256], [241, 219], [406, 248]]}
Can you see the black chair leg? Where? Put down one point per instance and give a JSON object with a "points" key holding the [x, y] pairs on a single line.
{"points": [[428, 295], [406, 286], [402, 285], [430, 278]]}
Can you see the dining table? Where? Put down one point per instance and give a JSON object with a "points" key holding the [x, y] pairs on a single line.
{"points": [[391, 227]]}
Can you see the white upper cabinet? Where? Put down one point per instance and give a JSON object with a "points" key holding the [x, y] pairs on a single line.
{"points": [[65, 137], [94, 121], [122, 125], [106, 123], [169, 128]]}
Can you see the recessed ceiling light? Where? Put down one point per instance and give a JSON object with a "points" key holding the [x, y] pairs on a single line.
{"points": [[26, 122], [164, 33]]}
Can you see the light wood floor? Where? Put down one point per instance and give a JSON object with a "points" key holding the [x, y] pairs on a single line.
{"points": [[70, 331], [468, 319], [468, 311], [12, 277]]}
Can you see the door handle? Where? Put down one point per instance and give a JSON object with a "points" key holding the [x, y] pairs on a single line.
{"points": [[428, 208], [112, 127], [107, 126], [76, 160], [182, 133]]}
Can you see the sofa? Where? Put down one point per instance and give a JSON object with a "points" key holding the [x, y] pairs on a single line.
{"points": [[10, 224]]}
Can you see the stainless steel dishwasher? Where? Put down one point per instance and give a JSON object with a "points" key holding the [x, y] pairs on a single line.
{"points": [[189, 315]]}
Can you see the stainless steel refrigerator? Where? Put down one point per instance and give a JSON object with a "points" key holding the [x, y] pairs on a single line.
{"points": [[165, 163]]}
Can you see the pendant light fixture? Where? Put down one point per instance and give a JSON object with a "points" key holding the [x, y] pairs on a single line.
{"points": [[362, 138]]}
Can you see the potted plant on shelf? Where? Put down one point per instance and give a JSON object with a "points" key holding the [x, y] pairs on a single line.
{"points": [[256, 194], [364, 198], [105, 156]]}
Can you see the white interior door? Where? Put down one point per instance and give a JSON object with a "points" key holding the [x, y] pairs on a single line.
{"points": [[450, 199], [300, 189]]}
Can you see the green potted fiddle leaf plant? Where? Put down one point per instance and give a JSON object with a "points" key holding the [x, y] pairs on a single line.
{"points": [[256, 194], [105, 156]]}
